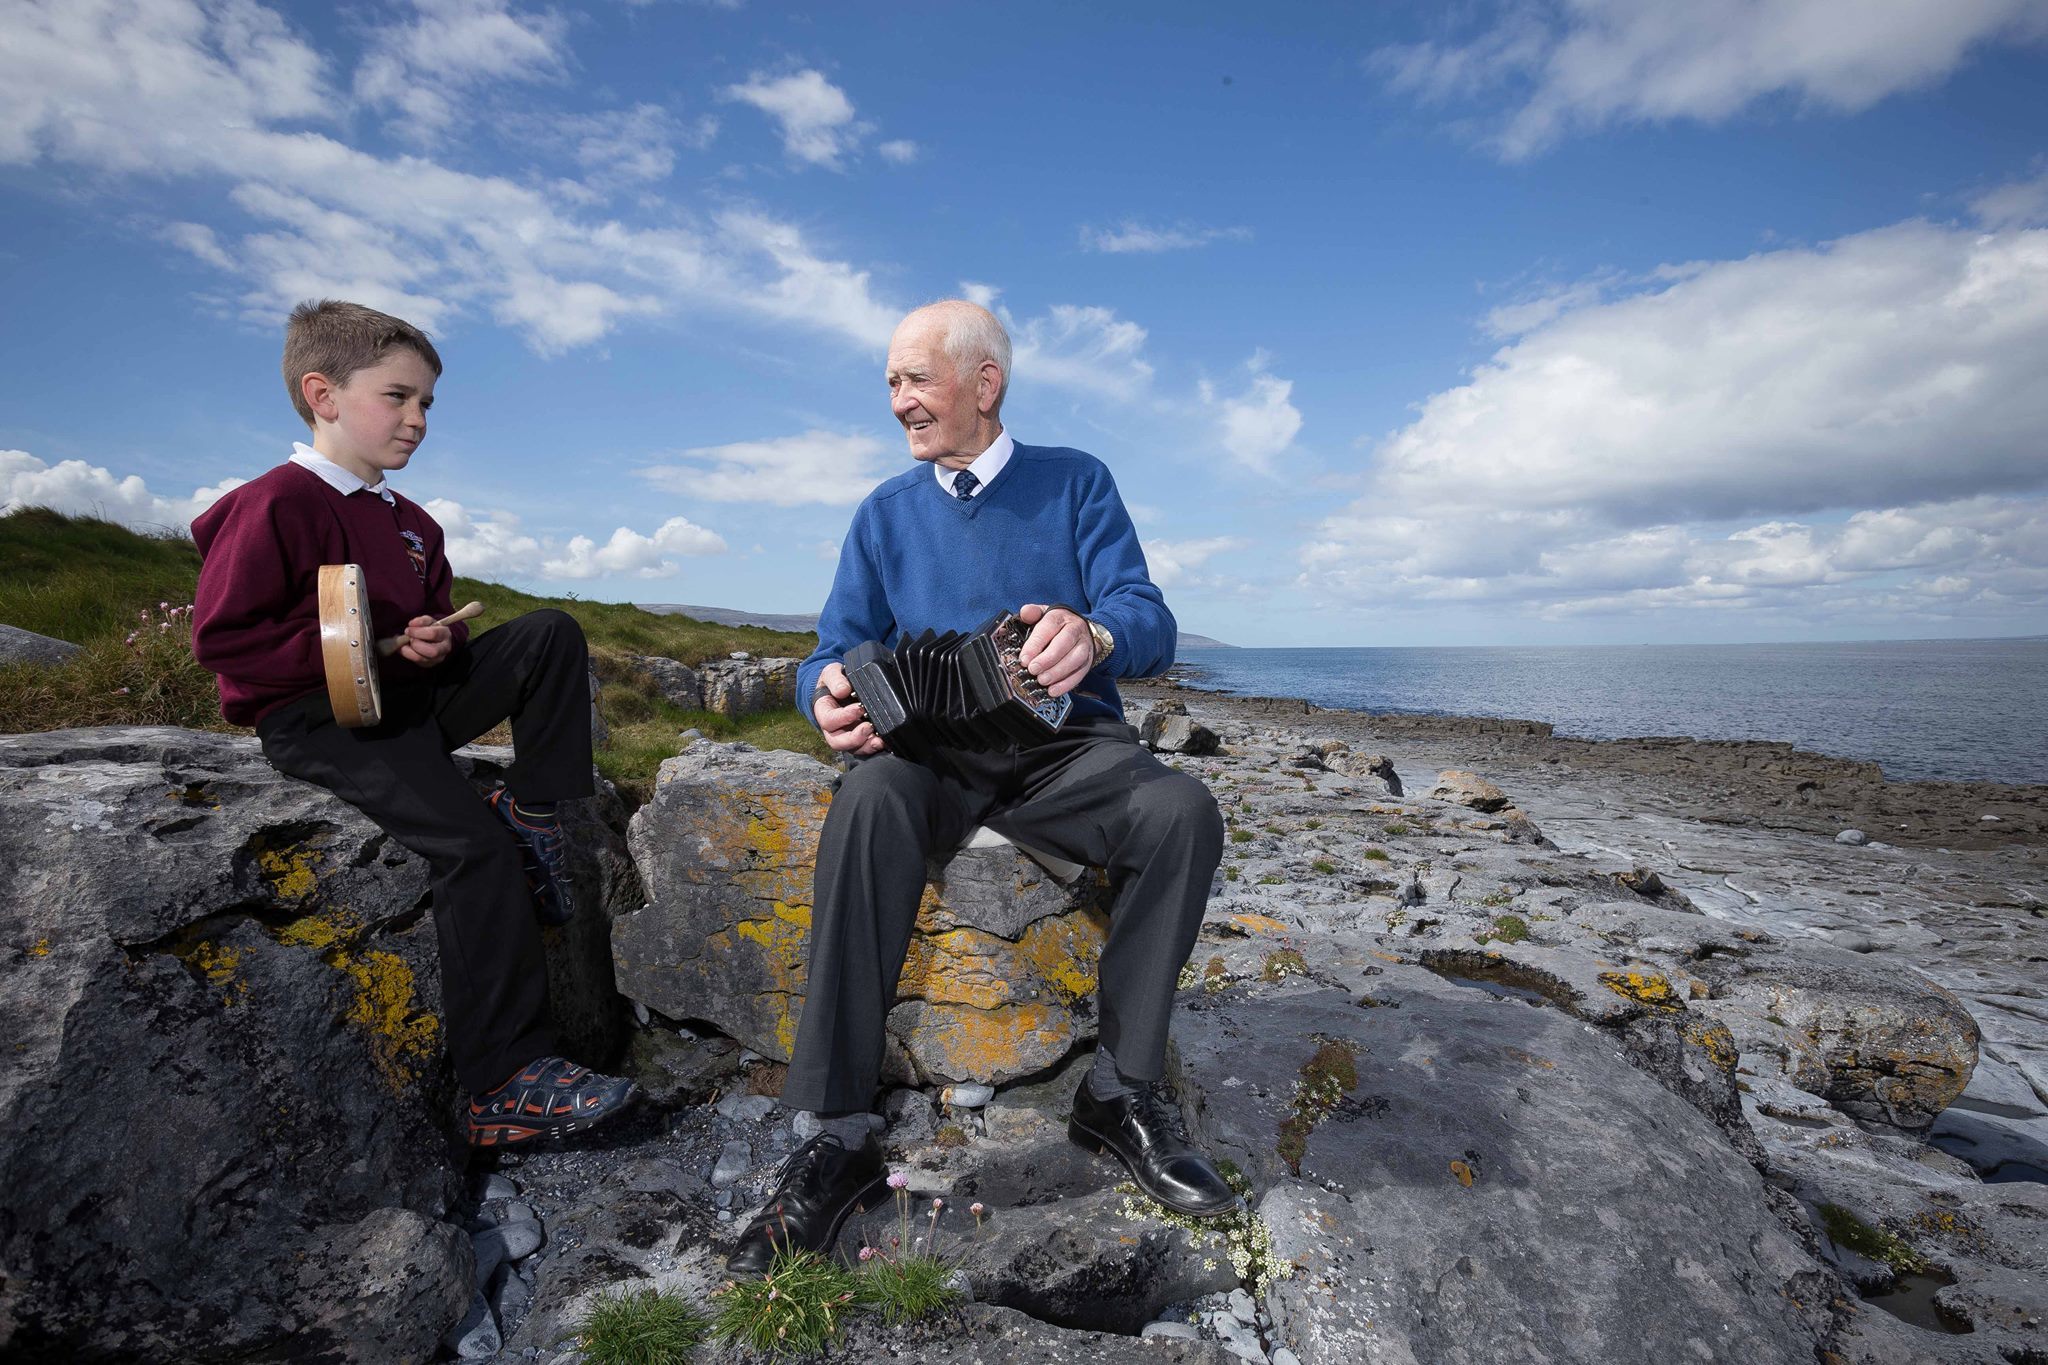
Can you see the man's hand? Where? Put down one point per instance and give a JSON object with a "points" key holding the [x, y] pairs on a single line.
{"points": [[425, 643], [842, 719], [1059, 649]]}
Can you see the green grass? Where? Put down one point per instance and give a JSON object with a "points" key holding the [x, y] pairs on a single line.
{"points": [[86, 580], [644, 1328], [1324, 866], [1377, 855], [908, 1288], [793, 1310]]}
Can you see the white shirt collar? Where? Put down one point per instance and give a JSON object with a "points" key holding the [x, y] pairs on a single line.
{"points": [[337, 478], [986, 465]]}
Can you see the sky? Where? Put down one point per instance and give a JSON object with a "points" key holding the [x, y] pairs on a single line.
{"points": [[1498, 322]]}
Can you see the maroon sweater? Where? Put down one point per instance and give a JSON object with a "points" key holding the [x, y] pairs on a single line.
{"points": [[257, 618]]}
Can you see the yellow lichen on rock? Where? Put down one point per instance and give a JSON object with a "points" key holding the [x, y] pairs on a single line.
{"points": [[292, 873], [960, 1042], [321, 931], [402, 1037], [978, 969], [219, 965], [1645, 988], [1713, 1038], [1259, 924]]}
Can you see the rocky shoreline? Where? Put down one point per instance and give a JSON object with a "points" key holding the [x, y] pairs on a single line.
{"points": [[1526, 1049]]}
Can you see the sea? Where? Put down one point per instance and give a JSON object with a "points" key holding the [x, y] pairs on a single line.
{"points": [[1961, 710]]}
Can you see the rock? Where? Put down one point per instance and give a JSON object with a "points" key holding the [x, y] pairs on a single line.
{"points": [[672, 1070], [1000, 978], [1241, 1307], [1182, 1331], [985, 1333], [258, 959], [380, 1289], [1468, 789], [746, 1108], [600, 733], [1167, 733], [495, 1186], [18, 646], [475, 1337], [967, 1095], [1374, 768], [735, 1159], [1455, 1133], [681, 685], [743, 686], [505, 1244], [1855, 838]]}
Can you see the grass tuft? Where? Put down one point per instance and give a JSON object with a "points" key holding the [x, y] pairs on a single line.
{"points": [[794, 1310], [649, 1327], [907, 1288], [1377, 855]]}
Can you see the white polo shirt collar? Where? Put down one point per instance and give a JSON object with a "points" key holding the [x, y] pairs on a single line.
{"points": [[335, 477]]}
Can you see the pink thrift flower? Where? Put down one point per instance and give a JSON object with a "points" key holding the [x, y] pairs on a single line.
{"points": [[975, 1208], [898, 1180], [938, 1204], [867, 1253]]}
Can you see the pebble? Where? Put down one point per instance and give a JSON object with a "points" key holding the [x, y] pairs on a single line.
{"points": [[1241, 1306], [1855, 838], [498, 1187], [693, 733], [1184, 1331], [1283, 1356], [640, 1015], [734, 1161], [513, 1297], [805, 1125], [747, 1108], [508, 1242], [968, 1095], [475, 1337], [1985, 819]]}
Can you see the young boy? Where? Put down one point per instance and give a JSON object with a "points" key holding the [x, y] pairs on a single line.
{"points": [[363, 381]]}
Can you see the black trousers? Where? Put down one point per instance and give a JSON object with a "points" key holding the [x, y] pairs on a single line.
{"points": [[534, 670], [1091, 795]]}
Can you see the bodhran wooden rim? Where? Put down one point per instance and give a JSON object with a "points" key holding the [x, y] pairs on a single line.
{"points": [[348, 647]]}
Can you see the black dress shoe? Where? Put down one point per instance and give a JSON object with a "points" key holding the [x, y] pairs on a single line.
{"points": [[1145, 1132], [818, 1188]]}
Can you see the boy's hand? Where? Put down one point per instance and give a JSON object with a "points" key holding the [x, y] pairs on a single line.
{"points": [[841, 718], [425, 643], [1060, 649]]}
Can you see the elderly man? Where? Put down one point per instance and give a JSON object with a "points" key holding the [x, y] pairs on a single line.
{"points": [[992, 526]]}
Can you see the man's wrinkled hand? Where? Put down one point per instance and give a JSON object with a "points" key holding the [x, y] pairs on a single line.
{"points": [[1059, 650], [841, 719], [425, 643]]}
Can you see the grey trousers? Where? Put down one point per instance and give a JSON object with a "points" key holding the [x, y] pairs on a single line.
{"points": [[1092, 795]]}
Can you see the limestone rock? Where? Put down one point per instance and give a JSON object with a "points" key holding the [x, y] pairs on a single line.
{"points": [[18, 646], [1170, 731], [1375, 768], [228, 980], [679, 683], [1468, 789], [742, 686], [1000, 978], [1440, 1140]]}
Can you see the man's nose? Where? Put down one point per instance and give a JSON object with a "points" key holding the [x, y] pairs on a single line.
{"points": [[902, 401]]}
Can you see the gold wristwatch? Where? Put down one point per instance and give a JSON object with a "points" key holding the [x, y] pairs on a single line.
{"points": [[1105, 643]]}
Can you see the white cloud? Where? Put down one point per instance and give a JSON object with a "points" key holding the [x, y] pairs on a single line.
{"points": [[900, 151], [630, 554], [1585, 64], [816, 117], [426, 70], [484, 544], [1085, 348], [221, 94], [80, 489], [1814, 430], [1171, 562], [1129, 236], [1258, 424], [2023, 203], [790, 471]]}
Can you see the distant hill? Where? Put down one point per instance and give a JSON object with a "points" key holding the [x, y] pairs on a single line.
{"points": [[727, 616]]}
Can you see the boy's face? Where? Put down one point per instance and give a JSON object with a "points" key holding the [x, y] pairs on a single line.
{"points": [[372, 423]]}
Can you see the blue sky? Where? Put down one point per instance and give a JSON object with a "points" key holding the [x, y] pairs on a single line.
{"points": [[1594, 321]]}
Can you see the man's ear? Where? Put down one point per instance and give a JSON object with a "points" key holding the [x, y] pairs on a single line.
{"points": [[318, 391], [988, 386]]}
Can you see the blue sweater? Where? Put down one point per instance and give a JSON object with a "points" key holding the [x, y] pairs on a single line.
{"points": [[1049, 529]]}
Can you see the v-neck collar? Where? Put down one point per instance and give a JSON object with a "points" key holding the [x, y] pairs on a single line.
{"points": [[968, 507]]}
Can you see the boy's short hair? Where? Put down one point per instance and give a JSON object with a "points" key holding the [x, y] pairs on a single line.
{"points": [[336, 339]]}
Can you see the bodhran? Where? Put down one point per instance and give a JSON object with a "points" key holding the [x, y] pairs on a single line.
{"points": [[348, 646]]}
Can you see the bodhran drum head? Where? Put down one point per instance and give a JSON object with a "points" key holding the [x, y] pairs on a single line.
{"points": [[348, 646]]}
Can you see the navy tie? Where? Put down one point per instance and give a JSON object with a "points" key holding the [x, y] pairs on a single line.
{"points": [[964, 484]]}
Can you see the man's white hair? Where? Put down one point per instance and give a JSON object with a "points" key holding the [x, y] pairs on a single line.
{"points": [[973, 335]]}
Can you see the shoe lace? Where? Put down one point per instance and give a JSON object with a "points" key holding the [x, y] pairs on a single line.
{"points": [[1161, 1109], [799, 1162]]}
